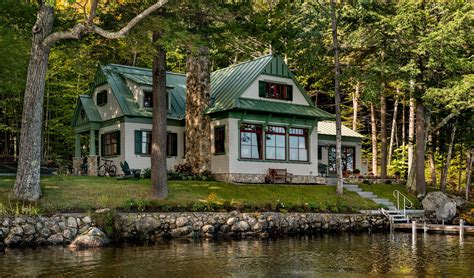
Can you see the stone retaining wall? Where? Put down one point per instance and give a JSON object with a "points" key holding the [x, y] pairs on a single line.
{"points": [[260, 178], [62, 229]]}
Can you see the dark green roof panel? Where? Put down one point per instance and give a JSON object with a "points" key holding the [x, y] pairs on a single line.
{"points": [[277, 67]]}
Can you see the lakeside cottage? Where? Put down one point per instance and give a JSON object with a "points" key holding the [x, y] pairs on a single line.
{"points": [[261, 118]]}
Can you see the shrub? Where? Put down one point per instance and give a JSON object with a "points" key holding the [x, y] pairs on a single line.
{"points": [[147, 173]]}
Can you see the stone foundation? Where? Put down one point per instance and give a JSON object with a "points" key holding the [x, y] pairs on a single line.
{"points": [[63, 229], [76, 165], [259, 178], [93, 168]]}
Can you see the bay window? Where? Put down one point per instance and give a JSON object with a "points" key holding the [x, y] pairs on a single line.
{"points": [[275, 143]]}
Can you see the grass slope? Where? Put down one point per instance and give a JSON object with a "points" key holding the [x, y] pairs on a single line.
{"points": [[85, 193]]}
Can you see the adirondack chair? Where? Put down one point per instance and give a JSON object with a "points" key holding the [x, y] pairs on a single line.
{"points": [[129, 173]]}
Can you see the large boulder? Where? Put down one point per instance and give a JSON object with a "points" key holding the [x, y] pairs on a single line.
{"points": [[92, 237], [441, 204]]}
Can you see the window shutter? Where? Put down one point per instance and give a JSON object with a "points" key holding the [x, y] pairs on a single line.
{"points": [[102, 145], [289, 92], [261, 88], [138, 142], [117, 134], [175, 144]]}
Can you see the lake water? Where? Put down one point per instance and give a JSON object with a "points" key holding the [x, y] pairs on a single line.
{"points": [[322, 255]]}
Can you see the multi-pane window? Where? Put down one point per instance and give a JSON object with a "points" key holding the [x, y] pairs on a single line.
{"points": [[143, 143], [219, 140], [172, 144], [101, 98], [347, 159], [111, 143], [275, 143], [298, 138], [275, 90], [251, 141], [147, 99]]}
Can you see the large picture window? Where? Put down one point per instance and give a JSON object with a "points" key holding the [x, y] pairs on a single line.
{"points": [[275, 90], [110, 143], [298, 138], [251, 141], [275, 143], [219, 140]]}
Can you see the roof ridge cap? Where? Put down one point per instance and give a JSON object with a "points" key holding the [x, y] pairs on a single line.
{"points": [[245, 62]]}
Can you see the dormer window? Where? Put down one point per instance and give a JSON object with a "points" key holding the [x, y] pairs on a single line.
{"points": [[147, 99], [275, 90], [101, 98]]}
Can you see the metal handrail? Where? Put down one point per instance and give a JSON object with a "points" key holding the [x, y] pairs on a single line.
{"points": [[397, 195]]}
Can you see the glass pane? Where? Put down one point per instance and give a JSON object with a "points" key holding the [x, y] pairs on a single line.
{"points": [[293, 154], [245, 151], [145, 147], [255, 152], [303, 155], [280, 140], [302, 143], [270, 140], [280, 153], [270, 153], [245, 138], [253, 137], [293, 142]]}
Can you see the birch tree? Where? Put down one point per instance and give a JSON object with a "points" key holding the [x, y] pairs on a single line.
{"points": [[27, 184]]}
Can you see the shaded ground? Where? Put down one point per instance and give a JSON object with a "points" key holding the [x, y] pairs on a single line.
{"points": [[75, 193], [10, 169]]}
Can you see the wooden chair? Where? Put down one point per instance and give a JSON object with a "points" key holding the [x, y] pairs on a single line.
{"points": [[280, 175], [129, 173]]}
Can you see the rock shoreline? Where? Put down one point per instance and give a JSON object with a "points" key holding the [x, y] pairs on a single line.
{"points": [[122, 227]]}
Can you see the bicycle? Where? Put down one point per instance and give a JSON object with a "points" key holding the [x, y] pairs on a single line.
{"points": [[107, 168]]}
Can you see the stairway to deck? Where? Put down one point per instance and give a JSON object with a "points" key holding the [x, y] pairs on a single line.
{"points": [[392, 212]]}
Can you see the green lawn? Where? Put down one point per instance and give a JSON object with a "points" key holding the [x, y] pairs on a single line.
{"points": [[85, 193], [386, 191]]}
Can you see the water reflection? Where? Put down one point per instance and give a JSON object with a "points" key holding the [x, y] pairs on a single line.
{"points": [[360, 254]]}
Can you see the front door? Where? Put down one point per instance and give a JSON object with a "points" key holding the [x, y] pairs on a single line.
{"points": [[348, 159]]}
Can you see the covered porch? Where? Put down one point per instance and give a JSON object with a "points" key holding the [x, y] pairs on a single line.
{"points": [[86, 123]]}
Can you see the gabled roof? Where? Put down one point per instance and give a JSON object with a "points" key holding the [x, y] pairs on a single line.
{"points": [[329, 128], [116, 75], [92, 114], [228, 84]]}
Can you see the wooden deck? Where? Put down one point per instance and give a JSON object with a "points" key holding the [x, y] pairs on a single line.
{"points": [[435, 228]]}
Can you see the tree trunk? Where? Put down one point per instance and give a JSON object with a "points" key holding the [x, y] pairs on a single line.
{"points": [[383, 134], [27, 184], [420, 148], [355, 107], [337, 97], [444, 172], [468, 172], [198, 129], [403, 123], [411, 128], [374, 138], [393, 129], [432, 160], [460, 165], [159, 173]]}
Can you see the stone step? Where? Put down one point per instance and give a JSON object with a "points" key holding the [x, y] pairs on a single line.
{"points": [[366, 194], [354, 189], [392, 208], [380, 200], [351, 186]]}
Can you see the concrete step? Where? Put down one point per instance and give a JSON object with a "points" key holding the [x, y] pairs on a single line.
{"points": [[392, 207], [351, 186], [380, 200]]}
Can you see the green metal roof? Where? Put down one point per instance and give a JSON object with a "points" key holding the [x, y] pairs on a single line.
{"points": [[282, 108], [227, 86], [116, 76], [92, 114]]}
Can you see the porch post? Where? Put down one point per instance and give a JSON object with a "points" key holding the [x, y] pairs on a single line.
{"points": [[92, 142], [92, 158], [76, 161]]}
